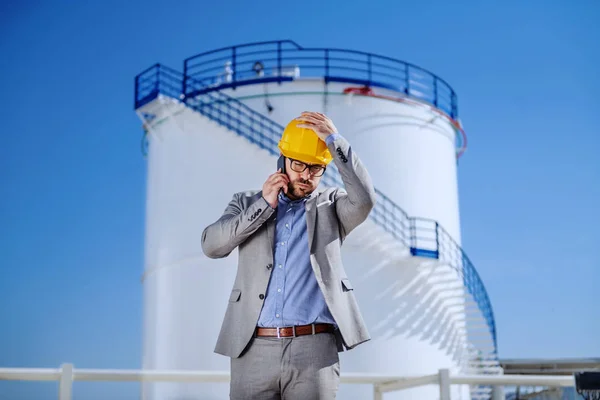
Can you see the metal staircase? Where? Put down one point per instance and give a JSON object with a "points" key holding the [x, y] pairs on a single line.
{"points": [[424, 238]]}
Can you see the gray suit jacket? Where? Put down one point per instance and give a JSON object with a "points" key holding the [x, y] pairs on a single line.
{"points": [[248, 223]]}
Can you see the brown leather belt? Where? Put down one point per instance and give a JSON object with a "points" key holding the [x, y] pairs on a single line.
{"points": [[293, 331]]}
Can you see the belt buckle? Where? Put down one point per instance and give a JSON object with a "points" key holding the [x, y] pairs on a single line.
{"points": [[279, 331]]}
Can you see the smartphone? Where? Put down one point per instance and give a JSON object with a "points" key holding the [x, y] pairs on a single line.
{"points": [[281, 163]]}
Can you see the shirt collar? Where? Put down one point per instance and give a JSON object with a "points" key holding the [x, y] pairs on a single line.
{"points": [[286, 200]]}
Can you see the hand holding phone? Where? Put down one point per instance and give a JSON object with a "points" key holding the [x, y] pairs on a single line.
{"points": [[276, 182]]}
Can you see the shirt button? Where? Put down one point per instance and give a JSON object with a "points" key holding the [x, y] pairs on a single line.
{"points": [[287, 225], [277, 315], [279, 290], [280, 266], [282, 243], [261, 296]]}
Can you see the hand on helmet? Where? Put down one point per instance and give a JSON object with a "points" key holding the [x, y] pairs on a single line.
{"points": [[318, 122]]}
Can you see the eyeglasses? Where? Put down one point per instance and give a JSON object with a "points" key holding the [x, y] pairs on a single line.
{"points": [[314, 170]]}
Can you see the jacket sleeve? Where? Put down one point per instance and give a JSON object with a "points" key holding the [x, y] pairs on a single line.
{"points": [[236, 224], [357, 199]]}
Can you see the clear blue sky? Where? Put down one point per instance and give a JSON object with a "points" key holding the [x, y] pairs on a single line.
{"points": [[73, 178]]}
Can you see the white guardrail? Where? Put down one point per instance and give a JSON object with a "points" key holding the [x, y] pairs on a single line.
{"points": [[67, 374]]}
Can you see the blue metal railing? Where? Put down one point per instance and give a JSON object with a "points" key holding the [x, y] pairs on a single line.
{"points": [[424, 237], [156, 80], [283, 60]]}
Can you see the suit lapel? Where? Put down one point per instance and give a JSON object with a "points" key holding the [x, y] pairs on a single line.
{"points": [[311, 217], [271, 230]]}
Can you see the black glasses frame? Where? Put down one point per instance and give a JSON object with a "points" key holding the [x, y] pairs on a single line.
{"points": [[320, 168]]}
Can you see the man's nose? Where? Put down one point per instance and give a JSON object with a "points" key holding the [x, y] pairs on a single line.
{"points": [[305, 174]]}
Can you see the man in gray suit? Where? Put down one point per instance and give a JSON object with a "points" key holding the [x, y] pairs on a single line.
{"points": [[292, 307]]}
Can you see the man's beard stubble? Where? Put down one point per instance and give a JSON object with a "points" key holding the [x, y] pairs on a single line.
{"points": [[298, 192]]}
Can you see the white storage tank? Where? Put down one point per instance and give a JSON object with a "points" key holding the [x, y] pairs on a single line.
{"points": [[403, 262]]}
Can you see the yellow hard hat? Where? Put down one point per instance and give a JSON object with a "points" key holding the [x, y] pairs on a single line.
{"points": [[304, 145]]}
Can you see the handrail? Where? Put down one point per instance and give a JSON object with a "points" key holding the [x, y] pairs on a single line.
{"points": [[329, 63], [424, 237], [67, 374]]}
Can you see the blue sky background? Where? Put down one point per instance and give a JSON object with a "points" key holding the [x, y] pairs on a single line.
{"points": [[72, 177]]}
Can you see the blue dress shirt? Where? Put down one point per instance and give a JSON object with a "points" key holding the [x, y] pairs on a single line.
{"points": [[293, 296]]}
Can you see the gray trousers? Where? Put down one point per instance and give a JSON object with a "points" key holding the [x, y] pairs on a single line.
{"points": [[301, 368]]}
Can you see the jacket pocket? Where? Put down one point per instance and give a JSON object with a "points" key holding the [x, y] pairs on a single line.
{"points": [[346, 285], [235, 295]]}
